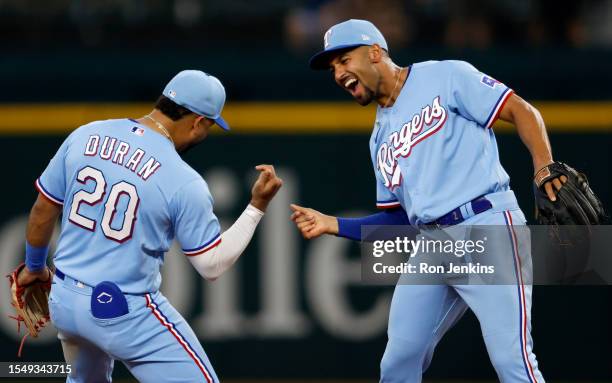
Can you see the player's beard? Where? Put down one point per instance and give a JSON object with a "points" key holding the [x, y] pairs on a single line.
{"points": [[367, 96]]}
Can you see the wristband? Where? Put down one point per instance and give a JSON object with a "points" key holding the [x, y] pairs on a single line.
{"points": [[36, 257], [254, 212]]}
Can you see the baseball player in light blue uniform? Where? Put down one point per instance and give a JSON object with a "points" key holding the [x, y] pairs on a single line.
{"points": [[125, 194], [436, 163]]}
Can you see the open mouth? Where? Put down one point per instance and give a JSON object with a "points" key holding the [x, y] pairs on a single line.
{"points": [[351, 85]]}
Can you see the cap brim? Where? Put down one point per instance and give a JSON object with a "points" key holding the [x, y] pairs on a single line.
{"points": [[321, 60], [221, 122]]}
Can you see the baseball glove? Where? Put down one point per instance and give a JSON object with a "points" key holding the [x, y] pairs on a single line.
{"points": [[31, 302], [576, 203]]}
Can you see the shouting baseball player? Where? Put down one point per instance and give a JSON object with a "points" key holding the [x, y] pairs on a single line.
{"points": [[125, 194], [436, 162]]}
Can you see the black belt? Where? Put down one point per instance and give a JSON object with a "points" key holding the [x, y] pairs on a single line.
{"points": [[454, 217]]}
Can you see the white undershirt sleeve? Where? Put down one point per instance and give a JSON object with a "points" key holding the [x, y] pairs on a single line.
{"points": [[234, 240]]}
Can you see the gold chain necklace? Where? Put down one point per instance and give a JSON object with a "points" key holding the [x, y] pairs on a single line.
{"points": [[394, 88], [161, 127]]}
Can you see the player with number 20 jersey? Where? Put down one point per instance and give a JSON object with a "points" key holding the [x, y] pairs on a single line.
{"points": [[125, 195]]}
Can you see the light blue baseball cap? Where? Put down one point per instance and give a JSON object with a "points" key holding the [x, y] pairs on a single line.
{"points": [[348, 34], [199, 92]]}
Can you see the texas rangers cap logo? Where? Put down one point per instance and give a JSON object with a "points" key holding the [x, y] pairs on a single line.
{"points": [[326, 38]]}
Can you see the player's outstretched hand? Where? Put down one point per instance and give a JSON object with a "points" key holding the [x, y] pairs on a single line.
{"points": [[266, 186], [312, 223]]}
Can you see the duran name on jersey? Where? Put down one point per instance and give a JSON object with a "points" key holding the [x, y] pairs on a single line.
{"points": [[120, 153]]}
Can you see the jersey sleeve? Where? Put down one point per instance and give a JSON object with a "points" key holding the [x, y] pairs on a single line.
{"points": [[195, 225], [384, 198], [52, 182], [475, 95]]}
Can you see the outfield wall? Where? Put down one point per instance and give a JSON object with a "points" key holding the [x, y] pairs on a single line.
{"points": [[295, 309]]}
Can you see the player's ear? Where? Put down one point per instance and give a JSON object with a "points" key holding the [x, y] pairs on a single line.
{"points": [[201, 125], [375, 53], [197, 121]]}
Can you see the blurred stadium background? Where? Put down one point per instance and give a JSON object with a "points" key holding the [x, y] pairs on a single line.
{"points": [[292, 310]]}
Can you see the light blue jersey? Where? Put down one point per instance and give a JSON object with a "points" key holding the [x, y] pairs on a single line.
{"points": [[434, 155], [433, 150], [126, 194]]}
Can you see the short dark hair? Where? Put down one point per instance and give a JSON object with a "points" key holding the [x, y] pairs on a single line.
{"points": [[171, 109]]}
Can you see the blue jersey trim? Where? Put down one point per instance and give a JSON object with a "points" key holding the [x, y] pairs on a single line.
{"points": [[46, 193], [494, 109], [387, 201], [204, 245]]}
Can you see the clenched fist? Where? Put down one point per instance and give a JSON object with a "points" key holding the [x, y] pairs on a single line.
{"points": [[26, 277], [312, 223], [266, 186]]}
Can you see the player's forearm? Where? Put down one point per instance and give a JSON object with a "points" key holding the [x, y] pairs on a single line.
{"points": [[41, 222], [212, 264], [351, 227], [531, 129]]}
